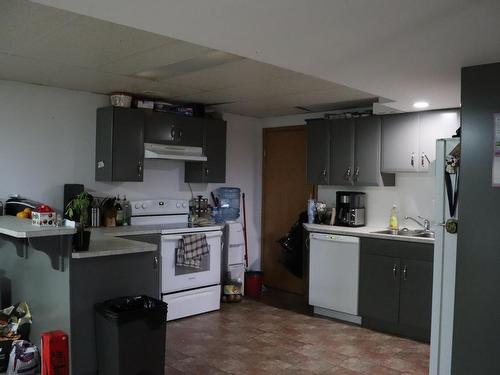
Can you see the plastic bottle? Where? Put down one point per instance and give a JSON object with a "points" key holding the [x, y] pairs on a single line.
{"points": [[393, 218], [119, 212], [126, 210], [311, 208]]}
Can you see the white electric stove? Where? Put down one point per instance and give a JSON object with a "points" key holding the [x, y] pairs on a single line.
{"points": [[188, 291]]}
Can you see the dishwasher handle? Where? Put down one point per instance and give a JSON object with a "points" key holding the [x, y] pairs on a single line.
{"points": [[333, 238]]}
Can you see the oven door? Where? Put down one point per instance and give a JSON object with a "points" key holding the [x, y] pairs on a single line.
{"points": [[176, 278]]}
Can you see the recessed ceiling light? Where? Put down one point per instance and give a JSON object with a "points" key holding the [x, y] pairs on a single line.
{"points": [[420, 104]]}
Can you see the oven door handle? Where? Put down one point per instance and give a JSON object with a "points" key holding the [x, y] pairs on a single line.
{"points": [[176, 237]]}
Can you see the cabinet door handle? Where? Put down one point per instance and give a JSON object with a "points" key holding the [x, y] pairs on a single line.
{"points": [[423, 160], [172, 133], [206, 171], [139, 169], [323, 174], [405, 272], [356, 174], [347, 174], [155, 262], [412, 160], [395, 271], [180, 134]]}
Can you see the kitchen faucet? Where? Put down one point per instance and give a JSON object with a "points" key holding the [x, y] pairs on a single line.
{"points": [[426, 223]]}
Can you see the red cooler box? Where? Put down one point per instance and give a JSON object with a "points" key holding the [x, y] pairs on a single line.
{"points": [[55, 353]]}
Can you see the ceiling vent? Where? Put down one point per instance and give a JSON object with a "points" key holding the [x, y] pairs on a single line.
{"points": [[327, 107], [205, 61]]}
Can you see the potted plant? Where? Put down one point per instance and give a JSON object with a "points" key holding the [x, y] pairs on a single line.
{"points": [[78, 210]]}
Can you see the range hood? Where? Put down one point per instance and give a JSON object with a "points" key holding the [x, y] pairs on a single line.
{"points": [[159, 151]]}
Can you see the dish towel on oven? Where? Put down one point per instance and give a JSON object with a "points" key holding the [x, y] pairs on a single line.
{"points": [[191, 250]]}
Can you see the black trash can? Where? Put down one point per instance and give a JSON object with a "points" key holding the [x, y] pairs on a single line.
{"points": [[130, 336]]}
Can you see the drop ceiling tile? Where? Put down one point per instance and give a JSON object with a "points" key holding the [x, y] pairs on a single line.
{"points": [[89, 42], [157, 57], [168, 91], [295, 83], [17, 68], [336, 95], [22, 22], [232, 74], [256, 109]]}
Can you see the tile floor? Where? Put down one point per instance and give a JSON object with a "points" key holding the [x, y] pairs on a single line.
{"points": [[253, 338]]}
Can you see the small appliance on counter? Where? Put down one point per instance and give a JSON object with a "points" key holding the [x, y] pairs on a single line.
{"points": [[16, 204], [198, 207], [350, 209]]}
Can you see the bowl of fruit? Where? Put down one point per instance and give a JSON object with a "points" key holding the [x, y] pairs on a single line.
{"points": [[44, 215]]}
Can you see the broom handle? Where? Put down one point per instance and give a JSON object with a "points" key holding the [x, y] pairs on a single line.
{"points": [[245, 229]]}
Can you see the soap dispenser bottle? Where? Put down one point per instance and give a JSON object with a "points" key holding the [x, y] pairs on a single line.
{"points": [[393, 219]]}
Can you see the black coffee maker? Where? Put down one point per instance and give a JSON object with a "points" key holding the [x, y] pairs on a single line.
{"points": [[350, 209]]}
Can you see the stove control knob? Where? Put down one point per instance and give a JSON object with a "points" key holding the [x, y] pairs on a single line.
{"points": [[137, 206], [184, 205], [144, 205], [178, 205]]}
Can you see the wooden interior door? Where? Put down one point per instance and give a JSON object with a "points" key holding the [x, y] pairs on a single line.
{"points": [[284, 196]]}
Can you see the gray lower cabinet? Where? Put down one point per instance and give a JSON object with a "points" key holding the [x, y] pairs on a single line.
{"points": [[119, 144], [214, 147], [171, 129], [94, 280], [395, 287], [318, 152]]}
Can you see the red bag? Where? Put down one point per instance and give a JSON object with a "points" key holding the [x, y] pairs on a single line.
{"points": [[55, 353]]}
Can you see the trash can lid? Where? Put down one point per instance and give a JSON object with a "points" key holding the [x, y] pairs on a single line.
{"points": [[120, 307]]}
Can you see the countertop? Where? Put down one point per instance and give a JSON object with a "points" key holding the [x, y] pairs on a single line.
{"points": [[363, 232], [107, 245], [108, 241], [22, 228]]}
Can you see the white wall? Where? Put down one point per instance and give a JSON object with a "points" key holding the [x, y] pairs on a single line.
{"points": [[413, 193], [47, 139]]}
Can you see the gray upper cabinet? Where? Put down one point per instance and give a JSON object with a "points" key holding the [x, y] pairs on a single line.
{"points": [[435, 125], [214, 147], [318, 152], [119, 144], [409, 139], [400, 146], [367, 145], [172, 129], [342, 152], [346, 152]]}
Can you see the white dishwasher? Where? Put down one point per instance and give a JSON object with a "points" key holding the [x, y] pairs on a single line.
{"points": [[334, 276]]}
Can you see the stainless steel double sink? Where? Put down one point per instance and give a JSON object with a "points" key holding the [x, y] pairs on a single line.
{"points": [[408, 233]]}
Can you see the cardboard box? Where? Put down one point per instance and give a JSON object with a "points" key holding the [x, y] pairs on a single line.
{"points": [[44, 219]]}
